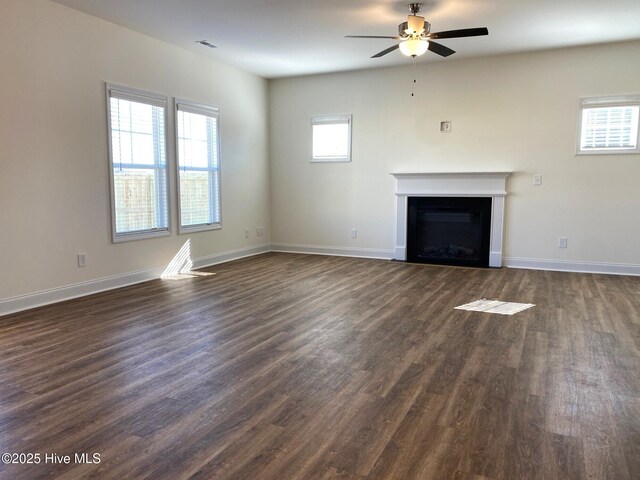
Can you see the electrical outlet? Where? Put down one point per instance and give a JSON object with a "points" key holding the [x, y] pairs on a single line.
{"points": [[445, 126], [354, 233], [537, 180], [259, 231], [82, 260], [562, 242], [246, 233]]}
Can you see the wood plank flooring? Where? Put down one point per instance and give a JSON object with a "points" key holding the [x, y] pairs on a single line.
{"points": [[285, 366]]}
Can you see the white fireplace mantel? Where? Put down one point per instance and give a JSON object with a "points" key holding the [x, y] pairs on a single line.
{"points": [[452, 184]]}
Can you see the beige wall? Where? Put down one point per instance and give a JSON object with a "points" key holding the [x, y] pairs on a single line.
{"points": [[54, 189], [515, 112]]}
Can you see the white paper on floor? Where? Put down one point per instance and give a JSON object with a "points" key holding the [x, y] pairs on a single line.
{"points": [[495, 306]]}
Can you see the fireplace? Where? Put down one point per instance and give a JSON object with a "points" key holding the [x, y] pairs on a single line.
{"points": [[449, 230], [460, 185]]}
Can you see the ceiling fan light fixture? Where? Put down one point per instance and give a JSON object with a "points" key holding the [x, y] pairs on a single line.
{"points": [[414, 47]]}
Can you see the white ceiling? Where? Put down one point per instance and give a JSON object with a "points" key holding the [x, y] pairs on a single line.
{"points": [[278, 38]]}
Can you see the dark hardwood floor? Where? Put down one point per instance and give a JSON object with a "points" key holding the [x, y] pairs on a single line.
{"points": [[286, 366]]}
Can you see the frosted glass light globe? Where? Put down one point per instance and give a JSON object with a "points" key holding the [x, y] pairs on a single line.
{"points": [[414, 47]]}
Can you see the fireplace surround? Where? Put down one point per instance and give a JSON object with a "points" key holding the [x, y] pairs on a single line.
{"points": [[456, 185]]}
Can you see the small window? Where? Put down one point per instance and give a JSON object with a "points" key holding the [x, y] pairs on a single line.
{"points": [[331, 138], [138, 163], [609, 125], [198, 147]]}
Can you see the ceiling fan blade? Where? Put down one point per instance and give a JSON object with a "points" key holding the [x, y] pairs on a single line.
{"points": [[465, 32], [370, 36], [440, 49], [385, 51]]}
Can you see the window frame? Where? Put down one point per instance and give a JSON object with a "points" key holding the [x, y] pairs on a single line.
{"points": [[329, 120], [603, 102], [210, 111], [153, 99]]}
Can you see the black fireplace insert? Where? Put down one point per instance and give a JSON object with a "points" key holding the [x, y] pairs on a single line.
{"points": [[449, 230]]}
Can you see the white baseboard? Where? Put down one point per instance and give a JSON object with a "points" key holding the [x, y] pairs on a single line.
{"points": [[336, 251], [570, 266], [46, 297], [54, 295], [230, 255]]}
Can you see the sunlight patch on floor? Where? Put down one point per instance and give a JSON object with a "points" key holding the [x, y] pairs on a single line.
{"points": [[495, 306], [183, 275]]}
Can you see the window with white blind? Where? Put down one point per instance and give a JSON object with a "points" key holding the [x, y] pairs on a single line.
{"points": [[138, 161], [198, 147], [331, 138], [609, 125]]}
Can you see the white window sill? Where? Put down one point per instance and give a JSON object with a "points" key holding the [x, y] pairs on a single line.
{"points": [[199, 228], [609, 152], [130, 237]]}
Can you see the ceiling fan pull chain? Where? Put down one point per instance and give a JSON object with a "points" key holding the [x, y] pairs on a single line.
{"points": [[413, 84]]}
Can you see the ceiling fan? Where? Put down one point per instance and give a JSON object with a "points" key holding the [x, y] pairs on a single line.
{"points": [[416, 37]]}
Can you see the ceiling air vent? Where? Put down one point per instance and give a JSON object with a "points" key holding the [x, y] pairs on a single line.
{"points": [[206, 43]]}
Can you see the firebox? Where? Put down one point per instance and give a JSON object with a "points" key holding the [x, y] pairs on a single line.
{"points": [[449, 230]]}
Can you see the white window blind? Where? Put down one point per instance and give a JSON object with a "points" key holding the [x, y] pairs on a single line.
{"points": [[331, 138], [137, 135], [198, 165], [609, 125]]}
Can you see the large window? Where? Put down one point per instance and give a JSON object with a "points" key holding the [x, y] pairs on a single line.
{"points": [[331, 138], [198, 147], [138, 161], [609, 125]]}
